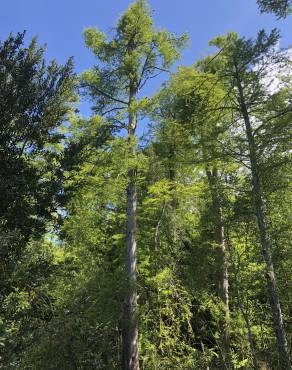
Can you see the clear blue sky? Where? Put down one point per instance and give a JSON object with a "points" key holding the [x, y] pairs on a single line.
{"points": [[59, 23]]}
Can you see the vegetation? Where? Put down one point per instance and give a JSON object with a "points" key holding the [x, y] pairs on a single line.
{"points": [[166, 251], [281, 8]]}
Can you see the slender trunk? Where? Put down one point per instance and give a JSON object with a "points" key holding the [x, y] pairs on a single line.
{"points": [[264, 238], [223, 282], [250, 336], [130, 325]]}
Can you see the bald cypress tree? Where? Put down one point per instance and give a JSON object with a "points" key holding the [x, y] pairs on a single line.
{"points": [[136, 53]]}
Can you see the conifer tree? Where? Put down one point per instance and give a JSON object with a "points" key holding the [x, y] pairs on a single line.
{"points": [[35, 99], [195, 105], [136, 53], [244, 65]]}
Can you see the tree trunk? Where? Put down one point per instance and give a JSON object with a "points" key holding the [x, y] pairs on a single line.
{"points": [[264, 238], [250, 339], [223, 283], [130, 324]]}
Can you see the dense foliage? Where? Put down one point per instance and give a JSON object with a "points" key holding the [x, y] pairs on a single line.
{"points": [[281, 8], [203, 280]]}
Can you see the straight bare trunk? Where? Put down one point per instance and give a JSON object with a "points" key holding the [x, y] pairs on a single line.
{"points": [[264, 238], [130, 323]]}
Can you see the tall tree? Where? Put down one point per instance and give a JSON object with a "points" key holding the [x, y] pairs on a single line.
{"points": [[245, 66], [135, 54], [34, 101], [195, 104]]}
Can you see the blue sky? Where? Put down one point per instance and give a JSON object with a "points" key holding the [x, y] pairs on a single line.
{"points": [[59, 23]]}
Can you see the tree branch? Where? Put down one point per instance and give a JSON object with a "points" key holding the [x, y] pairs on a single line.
{"points": [[105, 94]]}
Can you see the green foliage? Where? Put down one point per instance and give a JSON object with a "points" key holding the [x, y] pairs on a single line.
{"points": [[281, 8], [35, 99], [63, 283], [136, 53]]}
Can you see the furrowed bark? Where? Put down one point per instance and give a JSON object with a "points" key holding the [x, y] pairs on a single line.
{"points": [[264, 237]]}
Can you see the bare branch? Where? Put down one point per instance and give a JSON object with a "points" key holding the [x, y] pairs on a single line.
{"points": [[105, 94]]}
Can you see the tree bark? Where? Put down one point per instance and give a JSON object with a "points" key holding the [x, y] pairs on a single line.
{"points": [[223, 282], [264, 237], [130, 323]]}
